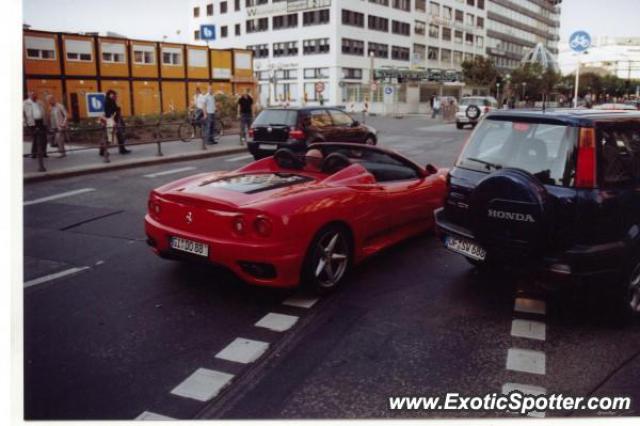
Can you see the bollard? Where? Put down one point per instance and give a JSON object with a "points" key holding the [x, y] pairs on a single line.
{"points": [[159, 140], [39, 138]]}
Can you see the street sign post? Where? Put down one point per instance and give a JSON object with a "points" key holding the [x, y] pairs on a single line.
{"points": [[95, 104], [207, 32], [579, 42]]}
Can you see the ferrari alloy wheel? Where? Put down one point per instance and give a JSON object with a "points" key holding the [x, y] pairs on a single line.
{"points": [[329, 259], [634, 290]]}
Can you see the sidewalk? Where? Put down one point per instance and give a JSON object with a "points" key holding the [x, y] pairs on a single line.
{"points": [[88, 161]]}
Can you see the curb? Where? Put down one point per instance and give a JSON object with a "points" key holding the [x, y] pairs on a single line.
{"points": [[78, 171]]}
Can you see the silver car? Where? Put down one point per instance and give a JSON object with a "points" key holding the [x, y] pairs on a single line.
{"points": [[471, 109]]}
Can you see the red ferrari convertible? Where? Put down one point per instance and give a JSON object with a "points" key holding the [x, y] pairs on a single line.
{"points": [[296, 217]]}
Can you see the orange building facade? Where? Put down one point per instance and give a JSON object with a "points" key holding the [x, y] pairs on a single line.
{"points": [[149, 77]]}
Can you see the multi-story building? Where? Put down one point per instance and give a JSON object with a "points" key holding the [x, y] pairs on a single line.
{"points": [[516, 26], [306, 51]]}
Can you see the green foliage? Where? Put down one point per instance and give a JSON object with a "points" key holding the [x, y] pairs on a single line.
{"points": [[538, 79], [598, 85], [480, 72]]}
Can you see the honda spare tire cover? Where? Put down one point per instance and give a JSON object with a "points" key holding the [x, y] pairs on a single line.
{"points": [[511, 215], [473, 112]]}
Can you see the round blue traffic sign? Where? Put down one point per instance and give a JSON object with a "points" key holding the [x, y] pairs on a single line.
{"points": [[388, 90], [580, 41]]}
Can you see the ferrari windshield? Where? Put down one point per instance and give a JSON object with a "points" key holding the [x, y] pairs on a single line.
{"points": [[544, 150]]}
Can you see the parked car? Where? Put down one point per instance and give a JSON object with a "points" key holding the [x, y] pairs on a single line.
{"points": [[471, 109], [556, 194], [297, 128], [616, 106], [293, 218], [634, 103]]}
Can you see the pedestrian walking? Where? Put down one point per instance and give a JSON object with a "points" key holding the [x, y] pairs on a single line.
{"points": [[34, 117], [435, 108], [209, 110], [114, 122], [198, 106], [245, 114], [58, 119]]}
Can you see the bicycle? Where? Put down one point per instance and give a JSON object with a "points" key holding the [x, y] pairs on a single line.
{"points": [[192, 128]]}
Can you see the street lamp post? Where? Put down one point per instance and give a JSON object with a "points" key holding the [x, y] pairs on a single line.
{"points": [[524, 89], [498, 92]]}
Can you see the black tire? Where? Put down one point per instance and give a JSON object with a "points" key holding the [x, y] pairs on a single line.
{"points": [[624, 295], [487, 268], [460, 126], [187, 132], [370, 140], [315, 274]]}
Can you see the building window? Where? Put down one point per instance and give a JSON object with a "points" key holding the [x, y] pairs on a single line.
{"points": [[471, 2], [224, 31], [379, 50], [285, 21], [223, 7], [446, 34], [315, 17], [210, 9], [470, 21], [236, 5], [238, 29], [433, 53], [380, 2], [113, 53], [420, 27], [313, 73], [480, 22], [400, 53], [79, 50], [315, 46], [419, 53], [459, 16], [481, 4], [352, 73], [40, 48], [171, 56], [260, 50], [434, 31], [352, 47], [435, 8], [251, 3], [257, 25], [355, 19], [468, 39], [144, 55], [445, 56], [196, 12], [402, 5], [447, 13], [421, 5], [287, 48], [457, 36], [401, 28], [196, 35], [479, 41], [377, 23], [457, 57]]}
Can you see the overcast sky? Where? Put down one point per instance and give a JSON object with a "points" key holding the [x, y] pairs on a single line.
{"points": [[155, 18]]}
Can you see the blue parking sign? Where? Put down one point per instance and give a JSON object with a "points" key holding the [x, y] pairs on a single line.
{"points": [[207, 32], [95, 104]]}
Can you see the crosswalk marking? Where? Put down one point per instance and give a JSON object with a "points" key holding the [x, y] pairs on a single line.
{"points": [[526, 361], [300, 302], [170, 172], [529, 329], [240, 158], [243, 351], [149, 415], [203, 384], [58, 196], [54, 276], [277, 322]]}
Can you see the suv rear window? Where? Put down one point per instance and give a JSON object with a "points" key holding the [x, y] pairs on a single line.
{"points": [[544, 150], [276, 117], [477, 102]]}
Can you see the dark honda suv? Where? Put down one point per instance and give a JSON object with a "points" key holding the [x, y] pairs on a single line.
{"points": [[296, 128], [553, 193]]}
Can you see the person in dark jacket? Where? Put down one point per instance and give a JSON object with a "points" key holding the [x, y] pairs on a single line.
{"points": [[114, 122]]}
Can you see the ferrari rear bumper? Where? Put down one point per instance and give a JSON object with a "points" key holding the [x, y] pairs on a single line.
{"points": [[271, 264]]}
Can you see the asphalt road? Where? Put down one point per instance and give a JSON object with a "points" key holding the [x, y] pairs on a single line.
{"points": [[111, 330]]}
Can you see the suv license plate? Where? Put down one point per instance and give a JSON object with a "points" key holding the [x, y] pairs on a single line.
{"points": [[268, 147], [189, 246], [466, 248]]}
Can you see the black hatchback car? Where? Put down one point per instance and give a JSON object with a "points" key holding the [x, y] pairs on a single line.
{"points": [[296, 128], [553, 193]]}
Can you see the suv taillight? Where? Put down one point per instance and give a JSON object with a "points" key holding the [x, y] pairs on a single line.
{"points": [[296, 134], [586, 167], [486, 109], [251, 133]]}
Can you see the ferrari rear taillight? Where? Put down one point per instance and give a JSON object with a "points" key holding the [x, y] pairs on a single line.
{"points": [[296, 134], [154, 207], [586, 167], [238, 225], [262, 226]]}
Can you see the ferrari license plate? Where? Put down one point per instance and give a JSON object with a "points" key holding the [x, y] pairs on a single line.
{"points": [[189, 246], [466, 248]]}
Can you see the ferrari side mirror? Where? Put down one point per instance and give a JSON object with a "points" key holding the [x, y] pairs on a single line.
{"points": [[431, 169]]}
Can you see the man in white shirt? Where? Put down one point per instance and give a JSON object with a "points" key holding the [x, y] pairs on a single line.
{"points": [[33, 112], [198, 105], [209, 110]]}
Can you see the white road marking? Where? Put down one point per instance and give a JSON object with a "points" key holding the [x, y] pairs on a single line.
{"points": [[243, 351], [203, 384], [507, 388], [58, 196], [148, 415], [277, 322], [54, 276], [300, 302], [240, 158], [526, 361], [170, 172], [529, 329], [530, 306]]}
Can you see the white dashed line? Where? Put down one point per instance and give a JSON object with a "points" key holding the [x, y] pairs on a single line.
{"points": [[530, 306], [243, 351], [300, 302], [55, 276], [203, 384], [170, 172], [507, 388], [277, 322], [529, 329], [58, 196], [148, 415], [240, 158], [526, 361]]}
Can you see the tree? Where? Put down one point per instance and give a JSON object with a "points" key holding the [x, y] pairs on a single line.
{"points": [[536, 78], [480, 72]]}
